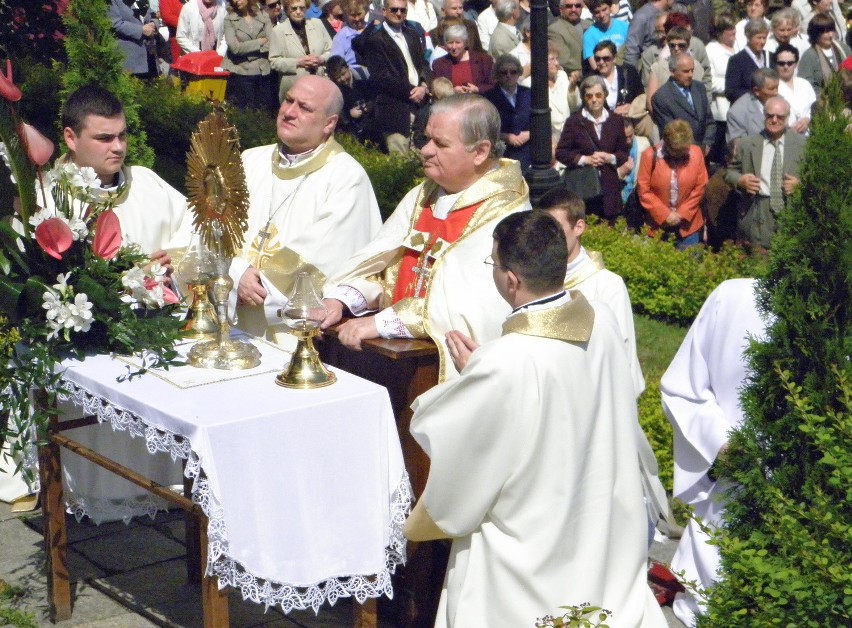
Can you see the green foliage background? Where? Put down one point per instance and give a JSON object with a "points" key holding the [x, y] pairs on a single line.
{"points": [[787, 542], [94, 58]]}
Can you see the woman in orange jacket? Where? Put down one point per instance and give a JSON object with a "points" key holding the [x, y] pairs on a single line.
{"points": [[671, 182]]}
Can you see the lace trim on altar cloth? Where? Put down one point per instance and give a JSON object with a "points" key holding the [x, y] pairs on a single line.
{"points": [[228, 571], [100, 510]]}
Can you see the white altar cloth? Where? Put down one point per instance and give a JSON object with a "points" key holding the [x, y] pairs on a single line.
{"points": [[305, 491]]}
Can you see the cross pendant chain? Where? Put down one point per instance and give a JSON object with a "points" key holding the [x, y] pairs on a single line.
{"points": [[423, 269]]}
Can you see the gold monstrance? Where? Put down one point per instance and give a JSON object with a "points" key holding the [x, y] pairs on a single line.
{"points": [[217, 195]]}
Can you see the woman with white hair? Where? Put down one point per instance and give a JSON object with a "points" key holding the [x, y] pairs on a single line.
{"points": [[471, 72], [785, 29]]}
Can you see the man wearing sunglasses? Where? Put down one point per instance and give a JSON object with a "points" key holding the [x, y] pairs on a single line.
{"points": [[604, 28], [765, 170], [566, 35], [395, 57]]}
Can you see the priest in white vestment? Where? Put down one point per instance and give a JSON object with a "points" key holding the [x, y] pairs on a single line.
{"points": [[586, 272], [153, 215], [422, 275], [311, 207], [534, 472], [701, 398]]}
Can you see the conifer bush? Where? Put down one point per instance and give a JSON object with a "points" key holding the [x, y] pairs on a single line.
{"points": [[95, 58], [786, 545]]}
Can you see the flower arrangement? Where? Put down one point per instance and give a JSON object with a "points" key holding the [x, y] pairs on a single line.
{"points": [[583, 616], [68, 283]]}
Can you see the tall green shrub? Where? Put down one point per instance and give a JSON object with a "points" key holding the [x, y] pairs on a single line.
{"points": [[94, 58], [787, 542]]}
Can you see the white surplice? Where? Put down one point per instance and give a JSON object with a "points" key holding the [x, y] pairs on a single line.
{"points": [[322, 208], [589, 275], [700, 393], [534, 474]]}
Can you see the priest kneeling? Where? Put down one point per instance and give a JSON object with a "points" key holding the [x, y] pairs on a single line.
{"points": [[534, 472]]}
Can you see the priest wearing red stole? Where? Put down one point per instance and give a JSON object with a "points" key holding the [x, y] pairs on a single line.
{"points": [[423, 275]]}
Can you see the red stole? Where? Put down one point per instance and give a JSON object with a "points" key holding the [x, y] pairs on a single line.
{"points": [[447, 230]]}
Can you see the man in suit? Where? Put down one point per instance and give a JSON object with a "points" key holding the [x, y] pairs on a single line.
{"points": [[505, 37], [566, 35], [765, 169], [743, 64], [394, 54], [745, 117], [681, 98], [514, 104]]}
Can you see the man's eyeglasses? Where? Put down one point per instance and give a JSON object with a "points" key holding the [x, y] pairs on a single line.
{"points": [[579, 5], [677, 45], [593, 96], [275, 6], [489, 261], [785, 64], [398, 10], [508, 73], [600, 59]]}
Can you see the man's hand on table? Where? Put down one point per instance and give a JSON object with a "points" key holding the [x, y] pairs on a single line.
{"points": [[251, 290], [461, 347], [334, 313], [352, 332]]}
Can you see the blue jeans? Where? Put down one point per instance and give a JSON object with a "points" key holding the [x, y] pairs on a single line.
{"points": [[690, 240]]}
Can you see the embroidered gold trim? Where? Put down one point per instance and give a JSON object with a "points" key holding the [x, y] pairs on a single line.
{"points": [[595, 264], [571, 322]]}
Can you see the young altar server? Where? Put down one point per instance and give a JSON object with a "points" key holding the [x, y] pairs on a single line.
{"points": [[534, 472], [587, 273], [700, 393]]}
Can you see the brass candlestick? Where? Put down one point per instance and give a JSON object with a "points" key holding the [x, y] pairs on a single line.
{"points": [[302, 315], [224, 352], [196, 271]]}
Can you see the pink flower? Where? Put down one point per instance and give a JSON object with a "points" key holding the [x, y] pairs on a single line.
{"points": [[107, 239], [8, 89], [39, 148], [54, 237]]}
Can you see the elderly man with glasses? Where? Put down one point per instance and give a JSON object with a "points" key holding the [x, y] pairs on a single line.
{"points": [[566, 35], [765, 170], [682, 98]]}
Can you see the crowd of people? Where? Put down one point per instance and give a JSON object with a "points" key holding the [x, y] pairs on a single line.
{"points": [[615, 71], [644, 115]]}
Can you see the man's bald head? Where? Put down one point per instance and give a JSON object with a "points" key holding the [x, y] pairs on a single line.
{"points": [[309, 113]]}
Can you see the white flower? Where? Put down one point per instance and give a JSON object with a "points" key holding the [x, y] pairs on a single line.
{"points": [[40, 216], [134, 279], [154, 297], [80, 314], [4, 153], [62, 284], [52, 303], [89, 177], [78, 228]]}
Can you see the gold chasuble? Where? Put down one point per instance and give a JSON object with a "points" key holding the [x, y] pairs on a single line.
{"points": [[281, 265], [594, 265], [571, 322], [432, 275]]}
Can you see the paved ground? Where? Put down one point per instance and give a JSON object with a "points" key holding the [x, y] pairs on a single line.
{"points": [[130, 576]]}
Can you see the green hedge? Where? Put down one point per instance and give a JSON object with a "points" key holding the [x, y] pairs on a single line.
{"points": [[665, 283]]}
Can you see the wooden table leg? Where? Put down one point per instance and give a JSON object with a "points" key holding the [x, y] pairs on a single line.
{"points": [[55, 535], [214, 602], [366, 614]]}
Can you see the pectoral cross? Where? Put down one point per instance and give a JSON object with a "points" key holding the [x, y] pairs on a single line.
{"points": [[423, 269], [259, 246]]}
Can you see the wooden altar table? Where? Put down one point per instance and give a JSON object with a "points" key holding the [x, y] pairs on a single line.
{"points": [[296, 497]]}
